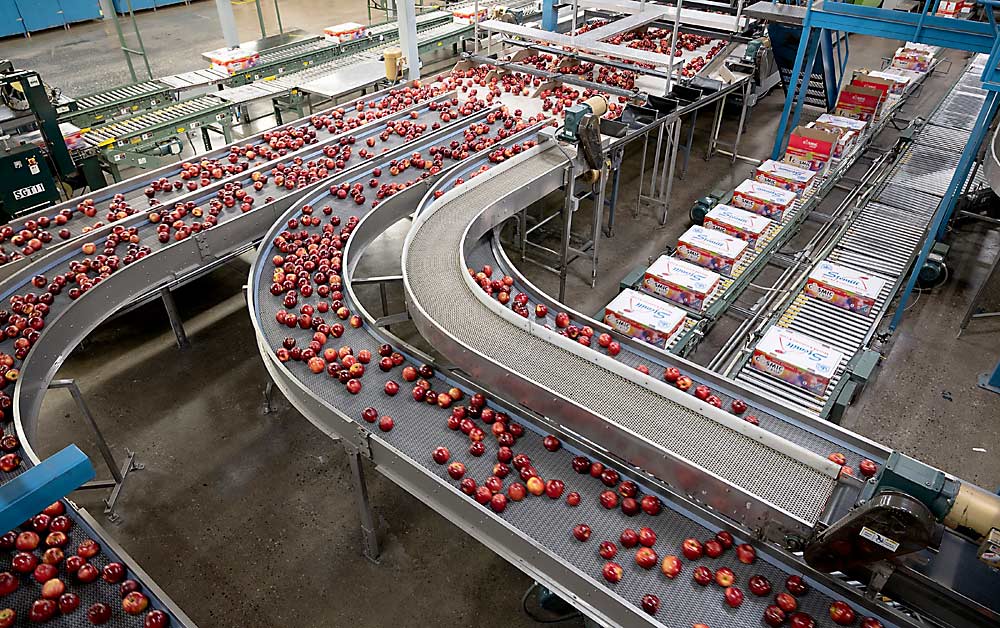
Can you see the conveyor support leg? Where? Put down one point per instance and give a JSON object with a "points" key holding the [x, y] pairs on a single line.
{"points": [[550, 15], [369, 536], [118, 474], [175, 318]]}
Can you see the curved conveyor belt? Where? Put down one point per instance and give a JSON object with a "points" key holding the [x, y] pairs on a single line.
{"points": [[533, 534], [713, 457]]}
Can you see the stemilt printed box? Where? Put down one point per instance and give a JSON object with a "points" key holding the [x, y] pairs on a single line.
{"points": [[850, 124], [761, 198], [737, 223], [797, 359], [859, 102], [712, 249], [844, 287], [644, 317], [845, 137], [785, 176], [681, 282]]}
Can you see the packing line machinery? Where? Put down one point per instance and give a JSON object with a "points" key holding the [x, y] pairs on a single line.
{"points": [[771, 506], [904, 205]]}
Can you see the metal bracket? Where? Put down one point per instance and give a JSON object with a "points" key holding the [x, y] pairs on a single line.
{"points": [[175, 318], [369, 534], [119, 474], [204, 250], [880, 574]]}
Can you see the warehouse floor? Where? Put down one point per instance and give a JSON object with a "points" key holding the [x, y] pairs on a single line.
{"points": [[248, 519]]}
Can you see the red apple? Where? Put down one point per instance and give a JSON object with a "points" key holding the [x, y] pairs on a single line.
{"points": [[609, 499], [456, 470], [24, 562], [53, 589], [868, 468], [786, 602], [610, 477], [27, 541], [733, 596], [870, 622], [99, 613], [43, 573], [651, 505], [796, 585], [573, 499], [87, 573], [8, 583], [725, 538], [596, 469], [724, 577], [551, 443], [535, 485], [702, 392], [467, 486], [516, 492], [801, 620], [42, 611], [630, 507], [759, 585], [68, 602], [650, 603], [841, 613], [607, 550], [554, 488], [647, 537], [670, 566], [614, 348], [156, 619], [440, 455], [738, 406], [135, 603], [838, 458], [391, 388], [671, 374], [113, 573], [746, 554], [612, 572], [562, 320], [713, 549], [774, 616], [498, 503], [73, 564], [691, 548], [629, 538], [684, 382], [581, 464], [581, 532], [703, 575], [645, 557], [7, 617]]}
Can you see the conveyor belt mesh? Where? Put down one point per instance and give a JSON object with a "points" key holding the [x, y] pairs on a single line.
{"points": [[435, 277]]}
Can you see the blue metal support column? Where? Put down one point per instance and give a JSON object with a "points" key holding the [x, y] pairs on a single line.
{"points": [[49, 481], [550, 15], [829, 67], [991, 382], [798, 85], [947, 206]]}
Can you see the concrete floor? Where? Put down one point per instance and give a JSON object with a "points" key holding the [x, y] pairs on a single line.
{"points": [[248, 519]]}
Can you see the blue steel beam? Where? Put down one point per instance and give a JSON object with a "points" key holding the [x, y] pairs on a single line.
{"points": [[550, 15], [917, 27], [49, 481], [947, 205], [829, 67], [798, 85]]}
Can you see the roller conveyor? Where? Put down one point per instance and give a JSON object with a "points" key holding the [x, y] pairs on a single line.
{"points": [[136, 130], [125, 100], [904, 207]]}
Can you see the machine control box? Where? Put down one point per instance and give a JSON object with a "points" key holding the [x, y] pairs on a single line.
{"points": [[644, 317], [796, 358], [681, 282], [712, 249], [844, 287]]}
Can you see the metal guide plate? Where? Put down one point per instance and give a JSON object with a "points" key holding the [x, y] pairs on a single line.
{"points": [[435, 281]]}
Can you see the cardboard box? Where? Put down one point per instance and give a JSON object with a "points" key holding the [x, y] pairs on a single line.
{"points": [[468, 15], [851, 124], [844, 287], [811, 149], [785, 176], [644, 317], [761, 198], [679, 281], [899, 81], [861, 103], [845, 137], [712, 249], [796, 358], [911, 58], [233, 60], [867, 80], [348, 31], [738, 223]]}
